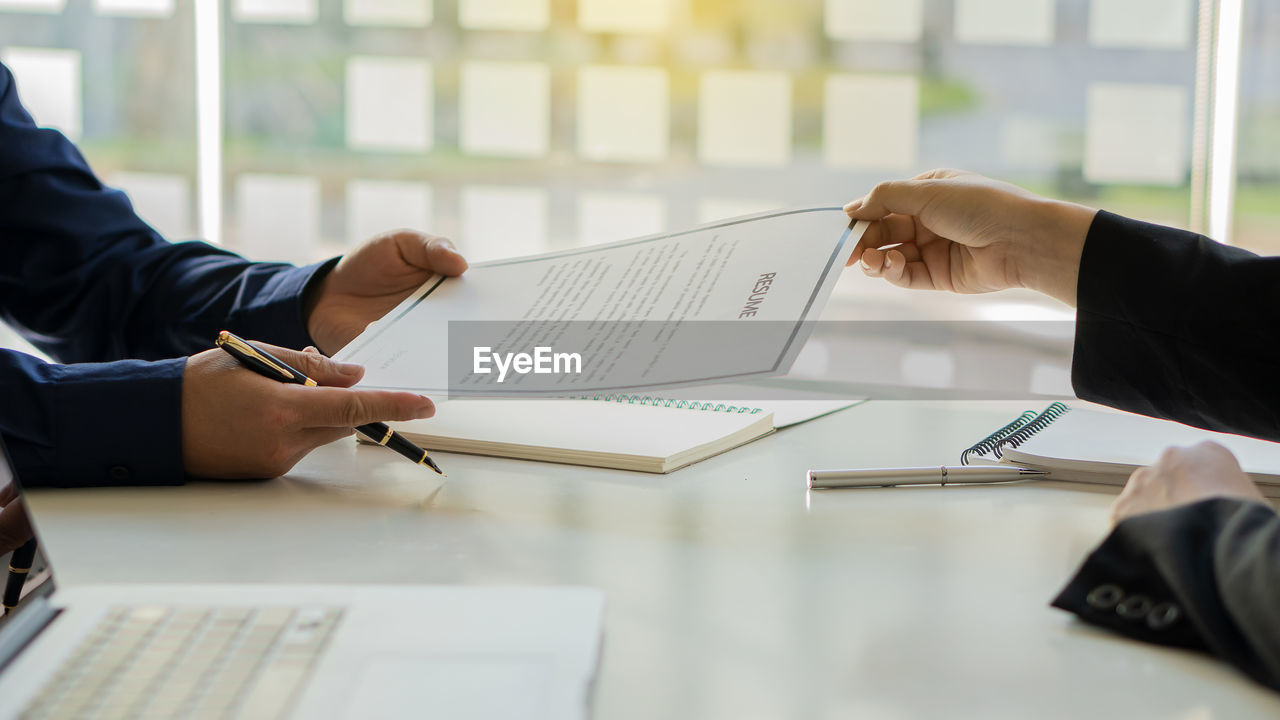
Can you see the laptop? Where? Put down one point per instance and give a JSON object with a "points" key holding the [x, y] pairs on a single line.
{"points": [[289, 651]]}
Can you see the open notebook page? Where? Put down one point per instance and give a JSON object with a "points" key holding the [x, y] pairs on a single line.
{"points": [[1089, 441], [584, 432]]}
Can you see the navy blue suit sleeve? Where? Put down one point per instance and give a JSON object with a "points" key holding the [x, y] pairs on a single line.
{"points": [[91, 424], [83, 278], [86, 280]]}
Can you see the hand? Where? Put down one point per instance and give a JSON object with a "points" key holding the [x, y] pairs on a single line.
{"points": [[1184, 475], [15, 524], [368, 282], [238, 424], [961, 232]]}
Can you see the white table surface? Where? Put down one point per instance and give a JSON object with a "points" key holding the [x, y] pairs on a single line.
{"points": [[731, 594]]}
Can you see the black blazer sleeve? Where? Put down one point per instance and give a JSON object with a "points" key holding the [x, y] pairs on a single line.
{"points": [[1204, 576], [1174, 325]]}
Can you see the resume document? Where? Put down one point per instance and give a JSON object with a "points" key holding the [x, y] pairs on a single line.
{"points": [[717, 303]]}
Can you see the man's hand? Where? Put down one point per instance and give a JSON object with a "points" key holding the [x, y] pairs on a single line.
{"points": [[368, 282], [15, 524], [1184, 475], [957, 231], [238, 424]]}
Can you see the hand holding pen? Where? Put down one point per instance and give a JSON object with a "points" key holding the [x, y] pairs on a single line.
{"points": [[19, 568], [238, 424], [269, 366]]}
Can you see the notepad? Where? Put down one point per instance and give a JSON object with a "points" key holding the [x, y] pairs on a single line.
{"points": [[1091, 446], [644, 433]]}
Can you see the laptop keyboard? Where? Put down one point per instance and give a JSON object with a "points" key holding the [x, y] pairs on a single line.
{"points": [[189, 662]]}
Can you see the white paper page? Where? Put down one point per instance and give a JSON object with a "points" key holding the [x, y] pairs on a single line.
{"points": [[1095, 441], [711, 273], [579, 425]]}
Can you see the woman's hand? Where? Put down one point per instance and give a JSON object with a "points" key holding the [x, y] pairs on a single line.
{"points": [[1181, 476], [957, 231]]}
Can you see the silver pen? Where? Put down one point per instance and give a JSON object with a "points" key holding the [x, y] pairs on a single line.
{"points": [[938, 475]]}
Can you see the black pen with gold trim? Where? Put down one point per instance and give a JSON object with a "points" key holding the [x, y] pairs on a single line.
{"points": [[20, 562], [269, 366]]}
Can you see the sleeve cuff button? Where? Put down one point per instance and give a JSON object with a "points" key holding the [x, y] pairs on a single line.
{"points": [[1163, 615], [1105, 597], [1134, 607]]}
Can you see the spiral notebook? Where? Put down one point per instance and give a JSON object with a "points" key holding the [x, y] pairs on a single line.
{"points": [[645, 433], [1091, 446]]}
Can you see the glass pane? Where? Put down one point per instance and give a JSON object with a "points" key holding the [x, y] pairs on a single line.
{"points": [[685, 110], [116, 76], [516, 126], [1257, 211]]}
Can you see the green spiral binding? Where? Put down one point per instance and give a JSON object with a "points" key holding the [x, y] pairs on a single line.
{"points": [[989, 443], [673, 403], [1015, 433], [1024, 433]]}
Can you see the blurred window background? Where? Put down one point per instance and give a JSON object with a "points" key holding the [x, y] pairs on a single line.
{"points": [[117, 77], [292, 129]]}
